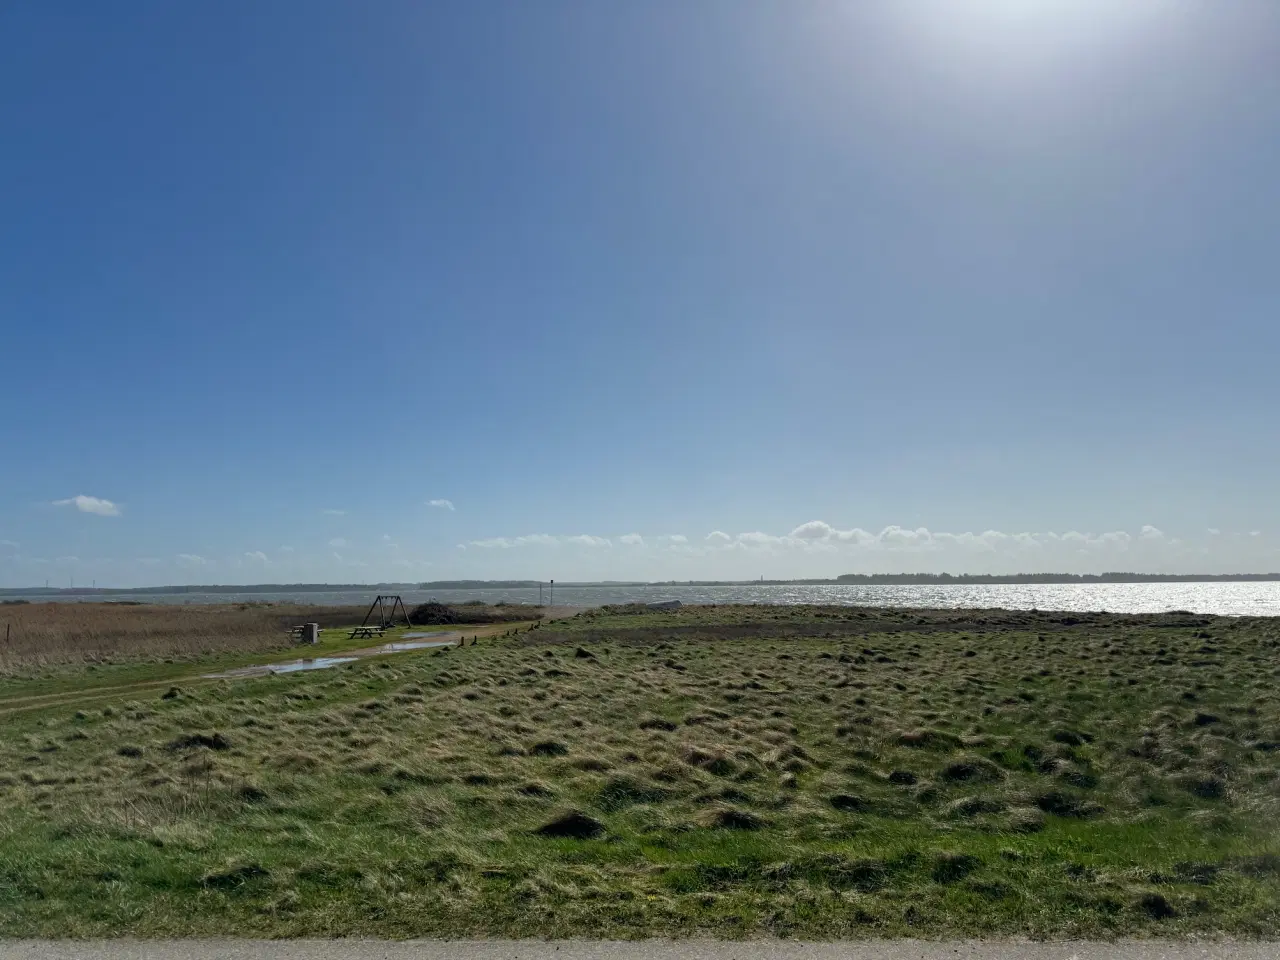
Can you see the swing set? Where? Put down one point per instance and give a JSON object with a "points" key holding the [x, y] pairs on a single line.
{"points": [[386, 607]]}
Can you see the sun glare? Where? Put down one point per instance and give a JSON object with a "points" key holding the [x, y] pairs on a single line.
{"points": [[1030, 13], [1030, 32]]}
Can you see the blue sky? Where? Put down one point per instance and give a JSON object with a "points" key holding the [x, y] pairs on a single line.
{"points": [[722, 289]]}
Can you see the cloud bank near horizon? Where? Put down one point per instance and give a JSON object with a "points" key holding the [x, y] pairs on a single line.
{"points": [[814, 549], [819, 536], [820, 549]]}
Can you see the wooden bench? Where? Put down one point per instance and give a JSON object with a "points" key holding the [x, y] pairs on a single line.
{"points": [[297, 631], [366, 633]]}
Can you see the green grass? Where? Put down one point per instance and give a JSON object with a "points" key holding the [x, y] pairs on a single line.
{"points": [[115, 679], [807, 772]]}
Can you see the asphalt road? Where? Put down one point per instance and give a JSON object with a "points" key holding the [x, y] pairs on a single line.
{"points": [[643, 950]]}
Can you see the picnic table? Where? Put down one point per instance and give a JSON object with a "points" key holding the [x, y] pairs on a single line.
{"points": [[366, 633]]}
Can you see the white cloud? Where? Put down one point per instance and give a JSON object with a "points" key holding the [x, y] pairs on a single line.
{"points": [[338, 542], [818, 530], [818, 536], [286, 549], [441, 504], [1255, 533], [10, 543], [1214, 532], [819, 548], [894, 535], [529, 540], [191, 559], [987, 541], [96, 505], [813, 530], [334, 513], [257, 556], [386, 538], [856, 535], [542, 540]]}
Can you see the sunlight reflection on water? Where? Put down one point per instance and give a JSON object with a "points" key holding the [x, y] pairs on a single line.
{"points": [[1229, 599]]}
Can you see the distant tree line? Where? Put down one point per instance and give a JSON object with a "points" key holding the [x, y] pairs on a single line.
{"points": [[477, 584]]}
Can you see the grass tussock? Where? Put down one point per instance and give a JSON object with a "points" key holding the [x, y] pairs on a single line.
{"points": [[736, 771]]}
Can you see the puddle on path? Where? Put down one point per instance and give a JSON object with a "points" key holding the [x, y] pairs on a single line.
{"points": [[319, 663], [324, 663], [412, 645]]}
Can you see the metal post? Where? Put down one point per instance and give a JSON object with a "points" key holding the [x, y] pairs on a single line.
{"points": [[365, 621]]}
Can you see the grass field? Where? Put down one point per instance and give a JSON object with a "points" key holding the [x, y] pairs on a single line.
{"points": [[38, 635], [732, 771], [149, 648]]}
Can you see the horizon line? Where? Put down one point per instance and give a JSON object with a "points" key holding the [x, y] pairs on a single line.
{"points": [[513, 583]]}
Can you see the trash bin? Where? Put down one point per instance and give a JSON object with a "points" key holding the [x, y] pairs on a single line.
{"points": [[312, 633]]}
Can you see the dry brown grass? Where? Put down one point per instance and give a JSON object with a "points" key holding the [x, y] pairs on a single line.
{"points": [[49, 633]]}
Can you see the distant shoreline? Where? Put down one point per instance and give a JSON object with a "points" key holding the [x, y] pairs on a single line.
{"points": [[851, 579]]}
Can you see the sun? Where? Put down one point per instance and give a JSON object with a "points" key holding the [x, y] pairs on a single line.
{"points": [[1029, 35], [1028, 24], [1029, 13]]}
